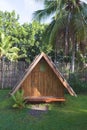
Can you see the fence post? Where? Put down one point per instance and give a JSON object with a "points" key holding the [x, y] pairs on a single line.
{"points": [[3, 73]]}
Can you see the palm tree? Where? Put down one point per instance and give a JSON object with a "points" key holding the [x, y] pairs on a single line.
{"points": [[69, 20]]}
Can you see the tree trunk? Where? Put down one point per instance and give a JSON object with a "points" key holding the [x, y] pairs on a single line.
{"points": [[67, 35], [66, 42], [73, 56]]}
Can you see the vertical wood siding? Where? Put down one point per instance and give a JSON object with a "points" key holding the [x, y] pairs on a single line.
{"points": [[42, 81]]}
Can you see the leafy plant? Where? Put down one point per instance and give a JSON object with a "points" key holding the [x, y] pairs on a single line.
{"points": [[78, 82], [18, 99]]}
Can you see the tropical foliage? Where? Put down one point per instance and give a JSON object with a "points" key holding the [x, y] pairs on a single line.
{"points": [[32, 43], [68, 28], [65, 35], [18, 99], [7, 49], [21, 42]]}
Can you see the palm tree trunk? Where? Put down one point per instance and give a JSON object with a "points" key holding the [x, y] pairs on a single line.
{"points": [[67, 35], [66, 41], [73, 56]]}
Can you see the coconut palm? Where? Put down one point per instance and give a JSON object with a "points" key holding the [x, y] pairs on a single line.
{"points": [[69, 21]]}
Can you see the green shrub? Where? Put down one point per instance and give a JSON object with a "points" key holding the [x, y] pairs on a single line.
{"points": [[77, 83], [18, 99]]}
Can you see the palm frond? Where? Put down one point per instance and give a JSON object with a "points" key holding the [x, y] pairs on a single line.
{"points": [[47, 11], [48, 31], [60, 24]]}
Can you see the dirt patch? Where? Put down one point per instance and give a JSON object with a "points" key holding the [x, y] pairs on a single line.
{"points": [[38, 110]]}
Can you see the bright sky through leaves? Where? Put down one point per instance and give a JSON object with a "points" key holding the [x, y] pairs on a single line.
{"points": [[24, 8]]}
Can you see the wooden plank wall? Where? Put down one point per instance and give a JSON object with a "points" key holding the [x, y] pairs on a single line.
{"points": [[43, 82]]}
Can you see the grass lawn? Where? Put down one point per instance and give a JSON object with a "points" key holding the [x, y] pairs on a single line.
{"points": [[71, 115]]}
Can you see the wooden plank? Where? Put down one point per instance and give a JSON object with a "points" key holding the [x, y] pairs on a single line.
{"points": [[44, 99]]}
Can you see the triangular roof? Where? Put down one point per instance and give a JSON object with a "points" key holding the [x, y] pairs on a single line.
{"points": [[53, 67]]}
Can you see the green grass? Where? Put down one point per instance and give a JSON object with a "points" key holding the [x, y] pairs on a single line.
{"points": [[71, 115]]}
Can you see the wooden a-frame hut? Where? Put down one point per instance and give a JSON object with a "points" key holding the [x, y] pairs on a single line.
{"points": [[43, 81]]}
